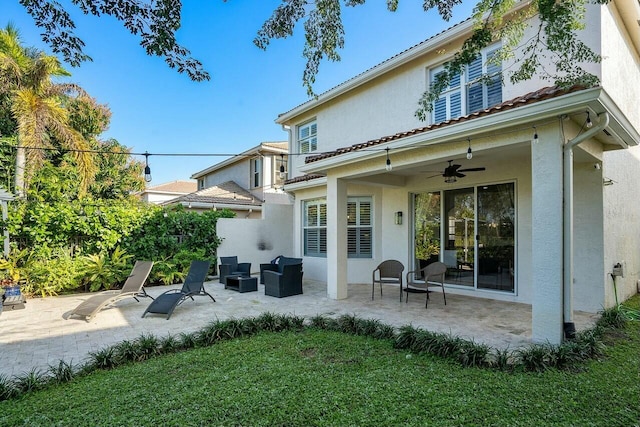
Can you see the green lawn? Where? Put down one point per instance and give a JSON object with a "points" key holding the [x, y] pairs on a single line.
{"points": [[318, 377]]}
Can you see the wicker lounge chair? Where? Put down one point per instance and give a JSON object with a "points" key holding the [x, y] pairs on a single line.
{"points": [[132, 288], [193, 285]]}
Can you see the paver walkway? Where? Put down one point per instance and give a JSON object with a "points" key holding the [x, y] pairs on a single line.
{"points": [[39, 336]]}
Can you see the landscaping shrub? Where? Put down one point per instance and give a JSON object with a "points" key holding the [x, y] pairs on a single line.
{"points": [[105, 269], [535, 358], [52, 273], [63, 245]]}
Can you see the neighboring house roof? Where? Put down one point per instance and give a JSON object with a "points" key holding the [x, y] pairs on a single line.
{"points": [[178, 187], [529, 98], [227, 193], [276, 147]]}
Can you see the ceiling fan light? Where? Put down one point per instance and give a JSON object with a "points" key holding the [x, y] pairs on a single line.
{"points": [[450, 179]]}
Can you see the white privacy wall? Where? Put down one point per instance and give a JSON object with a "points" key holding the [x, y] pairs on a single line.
{"points": [[258, 241]]}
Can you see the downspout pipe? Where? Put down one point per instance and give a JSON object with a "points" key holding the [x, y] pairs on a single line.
{"points": [[569, 326]]}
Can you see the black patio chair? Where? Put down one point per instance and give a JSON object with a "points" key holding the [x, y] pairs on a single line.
{"points": [[229, 266], [285, 282], [193, 286]]}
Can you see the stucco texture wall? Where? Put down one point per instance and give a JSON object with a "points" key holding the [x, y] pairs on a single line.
{"points": [[257, 240], [622, 221], [620, 65]]}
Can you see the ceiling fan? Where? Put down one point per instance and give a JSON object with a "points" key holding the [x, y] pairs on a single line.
{"points": [[452, 172]]}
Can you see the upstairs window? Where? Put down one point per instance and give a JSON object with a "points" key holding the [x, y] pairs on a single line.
{"points": [[200, 183], [256, 172], [308, 137], [478, 88]]}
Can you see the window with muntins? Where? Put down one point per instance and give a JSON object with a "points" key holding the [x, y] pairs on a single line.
{"points": [[315, 228], [256, 172], [308, 137], [478, 88], [359, 228], [200, 183]]}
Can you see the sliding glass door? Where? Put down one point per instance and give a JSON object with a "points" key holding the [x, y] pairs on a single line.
{"points": [[472, 231], [496, 237], [459, 236]]}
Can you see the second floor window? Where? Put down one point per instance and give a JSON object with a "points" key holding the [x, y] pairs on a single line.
{"points": [[200, 183], [478, 88], [308, 137], [256, 172]]}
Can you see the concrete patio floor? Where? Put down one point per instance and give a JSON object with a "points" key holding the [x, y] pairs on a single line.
{"points": [[39, 336]]}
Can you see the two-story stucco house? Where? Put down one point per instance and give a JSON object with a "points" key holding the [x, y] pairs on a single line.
{"points": [[549, 201], [242, 183]]}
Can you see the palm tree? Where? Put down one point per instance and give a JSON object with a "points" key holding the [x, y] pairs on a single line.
{"points": [[38, 107]]}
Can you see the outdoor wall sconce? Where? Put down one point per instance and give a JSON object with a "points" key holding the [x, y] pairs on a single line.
{"points": [[398, 218]]}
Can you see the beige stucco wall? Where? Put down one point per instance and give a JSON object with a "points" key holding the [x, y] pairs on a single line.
{"points": [[622, 221], [621, 65], [257, 240], [238, 172]]}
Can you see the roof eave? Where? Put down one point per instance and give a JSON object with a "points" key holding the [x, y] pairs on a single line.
{"points": [[378, 70], [526, 114], [296, 186], [232, 206], [239, 157]]}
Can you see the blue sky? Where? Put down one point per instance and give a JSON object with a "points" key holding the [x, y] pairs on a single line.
{"points": [[155, 109]]}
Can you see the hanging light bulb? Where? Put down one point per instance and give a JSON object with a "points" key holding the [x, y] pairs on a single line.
{"points": [[469, 152], [283, 175], [535, 135], [589, 123], [147, 169], [388, 165]]}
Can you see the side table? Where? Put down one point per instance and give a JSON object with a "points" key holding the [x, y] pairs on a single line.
{"points": [[242, 284]]}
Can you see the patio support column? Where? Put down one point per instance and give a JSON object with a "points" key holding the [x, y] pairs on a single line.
{"points": [[336, 238], [547, 237]]}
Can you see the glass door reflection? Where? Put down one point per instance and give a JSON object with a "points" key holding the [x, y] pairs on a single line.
{"points": [[459, 237]]}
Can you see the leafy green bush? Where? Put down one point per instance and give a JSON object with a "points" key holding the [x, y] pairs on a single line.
{"points": [[165, 272], [167, 232], [104, 270], [182, 259], [51, 274]]}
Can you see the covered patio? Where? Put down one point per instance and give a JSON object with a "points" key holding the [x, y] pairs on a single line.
{"points": [[38, 336]]}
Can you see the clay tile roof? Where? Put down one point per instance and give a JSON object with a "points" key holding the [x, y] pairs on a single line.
{"points": [[303, 178], [175, 187], [529, 98], [228, 193]]}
